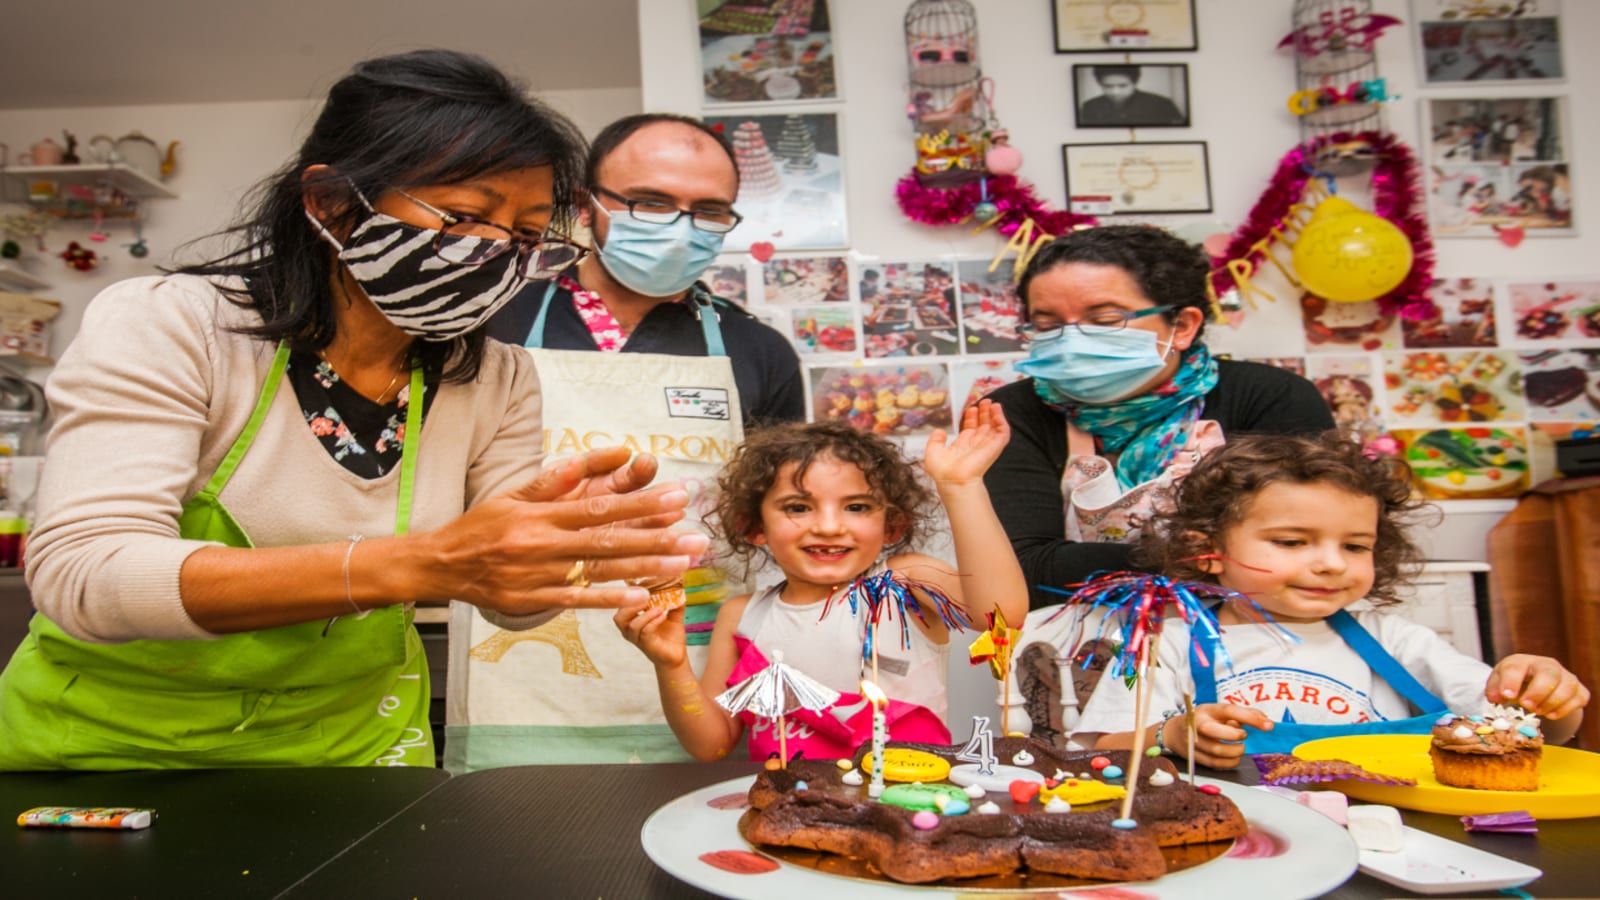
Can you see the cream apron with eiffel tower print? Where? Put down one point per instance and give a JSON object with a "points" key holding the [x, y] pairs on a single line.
{"points": [[573, 690]]}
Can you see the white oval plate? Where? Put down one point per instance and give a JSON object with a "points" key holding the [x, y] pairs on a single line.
{"points": [[1293, 852]]}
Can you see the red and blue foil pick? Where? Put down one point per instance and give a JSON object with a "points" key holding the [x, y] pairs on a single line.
{"points": [[889, 595]]}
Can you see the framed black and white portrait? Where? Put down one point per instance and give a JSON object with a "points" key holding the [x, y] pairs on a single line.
{"points": [[1131, 95]]}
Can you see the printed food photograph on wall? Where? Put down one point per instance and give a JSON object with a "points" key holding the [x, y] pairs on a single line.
{"points": [[1345, 327], [1466, 463], [1463, 316], [806, 280], [816, 330], [908, 309], [991, 312], [888, 400], [1562, 384], [778, 51], [1454, 386], [791, 182], [971, 380], [729, 280], [1556, 310], [1348, 386]]}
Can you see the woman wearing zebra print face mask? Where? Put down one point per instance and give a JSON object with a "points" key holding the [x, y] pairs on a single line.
{"points": [[261, 461]]}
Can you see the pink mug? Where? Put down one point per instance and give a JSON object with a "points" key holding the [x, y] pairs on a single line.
{"points": [[44, 153]]}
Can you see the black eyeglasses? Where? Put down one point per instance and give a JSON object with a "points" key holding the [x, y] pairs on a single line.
{"points": [[1104, 321], [468, 241], [660, 212]]}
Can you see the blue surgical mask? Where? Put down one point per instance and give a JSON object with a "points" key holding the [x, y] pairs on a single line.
{"points": [[656, 260], [1095, 365]]}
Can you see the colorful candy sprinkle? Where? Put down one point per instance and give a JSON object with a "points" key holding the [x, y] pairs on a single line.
{"points": [[1210, 789], [1527, 731], [1024, 791], [925, 820], [801, 786], [1112, 772], [845, 765], [1124, 824], [1098, 763]]}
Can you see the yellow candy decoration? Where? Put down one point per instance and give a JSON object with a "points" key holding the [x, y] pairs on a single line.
{"points": [[1082, 791], [907, 765]]}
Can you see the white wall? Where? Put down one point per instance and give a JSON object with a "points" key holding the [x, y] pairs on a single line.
{"points": [[1238, 87], [224, 149]]}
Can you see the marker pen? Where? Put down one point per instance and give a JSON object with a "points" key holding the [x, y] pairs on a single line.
{"points": [[86, 817]]}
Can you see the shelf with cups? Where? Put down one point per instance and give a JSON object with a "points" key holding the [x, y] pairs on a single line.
{"points": [[17, 183]]}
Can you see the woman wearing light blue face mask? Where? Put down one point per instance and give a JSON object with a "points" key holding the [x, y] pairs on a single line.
{"points": [[1122, 398]]}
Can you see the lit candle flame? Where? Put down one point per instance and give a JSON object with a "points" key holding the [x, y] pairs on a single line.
{"points": [[872, 692]]}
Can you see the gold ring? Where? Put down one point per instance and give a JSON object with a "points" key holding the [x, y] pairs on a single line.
{"points": [[575, 576]]}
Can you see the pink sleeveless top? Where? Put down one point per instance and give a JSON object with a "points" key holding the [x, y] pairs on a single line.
{"points": [[829, 650]]}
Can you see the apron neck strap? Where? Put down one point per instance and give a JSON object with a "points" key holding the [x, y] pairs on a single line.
{"points": [[408, 452], [269, 392], [704, 310], [710, 321], [1359, 639], [1384, 665], [536, 333]]}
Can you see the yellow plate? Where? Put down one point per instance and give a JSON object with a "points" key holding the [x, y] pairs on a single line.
{"points": [[1569, 780]]}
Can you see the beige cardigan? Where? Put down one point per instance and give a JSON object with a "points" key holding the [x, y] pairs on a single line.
{"points": [[149, 398]]}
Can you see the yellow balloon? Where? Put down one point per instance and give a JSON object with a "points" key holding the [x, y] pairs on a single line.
{"points": [[1350, 255]]}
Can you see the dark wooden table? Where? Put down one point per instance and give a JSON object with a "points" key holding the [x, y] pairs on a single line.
{"points": [[240, 833], [537, 831]]}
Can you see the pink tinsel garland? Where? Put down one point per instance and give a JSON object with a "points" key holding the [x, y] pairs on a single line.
{"points": [[1396, 196], [1013, 197]]}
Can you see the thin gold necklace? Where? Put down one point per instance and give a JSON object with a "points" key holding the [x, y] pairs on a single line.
{"points": [[385, 391]]}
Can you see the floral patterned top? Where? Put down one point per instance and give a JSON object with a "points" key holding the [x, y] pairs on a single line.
{"points": [[608, 335], [363, 436]]}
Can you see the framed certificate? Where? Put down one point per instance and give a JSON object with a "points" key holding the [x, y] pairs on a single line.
{"points": [[1124, 26], [1154, 177]]}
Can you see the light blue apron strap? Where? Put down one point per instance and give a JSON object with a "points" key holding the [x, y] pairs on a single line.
{"points": [[1384, 665], [710, 325], [536, 333]]}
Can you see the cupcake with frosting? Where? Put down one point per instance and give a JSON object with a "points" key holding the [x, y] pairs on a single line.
{"points": [[1499, 751]]}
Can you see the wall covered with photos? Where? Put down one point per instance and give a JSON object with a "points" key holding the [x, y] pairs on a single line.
{"points": [[899, 323]]}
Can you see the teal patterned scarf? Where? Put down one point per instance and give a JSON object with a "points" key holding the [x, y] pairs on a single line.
{"points": [[1149, 429]]}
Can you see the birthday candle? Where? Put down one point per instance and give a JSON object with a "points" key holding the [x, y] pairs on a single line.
{"points": [[880, 733]]}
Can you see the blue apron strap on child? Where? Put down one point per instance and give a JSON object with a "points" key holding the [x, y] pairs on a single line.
{"points": [[536, 333], [1359, 639], [1384, 665]]}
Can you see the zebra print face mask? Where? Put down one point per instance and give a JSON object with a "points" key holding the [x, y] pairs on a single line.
{"points": [[401, 272]]}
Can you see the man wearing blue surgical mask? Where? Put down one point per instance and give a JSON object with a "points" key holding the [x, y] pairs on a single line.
{"points": [[633, 350], [661, 197]]}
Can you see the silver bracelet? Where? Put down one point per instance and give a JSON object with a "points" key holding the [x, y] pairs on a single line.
{"points": [[1161, 731], [349, 597]]}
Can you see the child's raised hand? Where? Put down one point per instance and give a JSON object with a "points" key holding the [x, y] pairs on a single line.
{"points": [[1539, 684], [1219, 741], [983, 435], [656, 631]]}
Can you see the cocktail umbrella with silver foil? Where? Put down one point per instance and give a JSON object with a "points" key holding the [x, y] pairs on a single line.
{"points": [[773, 693]]}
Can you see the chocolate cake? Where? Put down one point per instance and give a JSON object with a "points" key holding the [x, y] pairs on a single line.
{"points": [[824, 806], [1556, 386]]}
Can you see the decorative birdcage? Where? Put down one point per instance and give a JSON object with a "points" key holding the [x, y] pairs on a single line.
{"points": [[1336, 72], [946, 104]]}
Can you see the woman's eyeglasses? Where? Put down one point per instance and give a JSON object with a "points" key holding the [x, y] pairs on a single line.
{"points": [[468, 241], [661, 212], [1104, 321]]}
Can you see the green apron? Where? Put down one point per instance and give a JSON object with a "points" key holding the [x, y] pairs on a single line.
{"points": [[353, 691]]}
